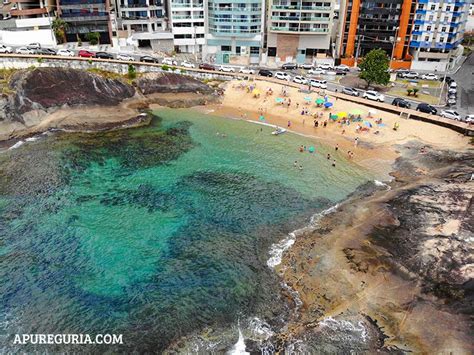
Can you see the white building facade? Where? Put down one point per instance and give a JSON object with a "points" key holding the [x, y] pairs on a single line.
{"points": [[188, 25]]}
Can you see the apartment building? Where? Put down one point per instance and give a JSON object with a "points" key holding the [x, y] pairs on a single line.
{"points": [[437, 33], [26, 21], [188, 25], [370, 24], [234, 31], [299, 30], [85, 16]]}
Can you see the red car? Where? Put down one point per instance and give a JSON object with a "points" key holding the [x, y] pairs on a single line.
{"points": [[86, 54]]}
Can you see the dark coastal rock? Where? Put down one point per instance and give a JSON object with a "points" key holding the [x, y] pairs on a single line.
{"points": [[151, 83], [46, 88]]}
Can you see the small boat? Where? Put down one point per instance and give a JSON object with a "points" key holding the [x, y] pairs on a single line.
{"points": [[278, 131]]}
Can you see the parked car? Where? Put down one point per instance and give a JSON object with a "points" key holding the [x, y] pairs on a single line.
{"points": [[448, 79], [426, 108], [398, 101], [452, 91], [66, 53], [338, 72], [451, 101], [401, 71], [103, 55], [342, 67], [265, 72], [206, 66], [469, 118], [187, 64], [125, 57], [300, 80], [85, 54], [169, 61], [5, 49], [24, 50], [451, 114], [373, 95], [226, 69], [453, 85], [45, 51], [317, 71], [322, 84], [282, 75], [429, 76], [244, 70], [410, 75], [289, 66], [148, 59], [324, 66], [35, 45], [350, 91], [306, 66]]}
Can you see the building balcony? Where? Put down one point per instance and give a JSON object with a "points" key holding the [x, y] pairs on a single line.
{"points": [[233, 33], [301, 8], [85, 18], [299, 30], [81, 2], [140, 9], [229, 10], [139, 20], [235, 1], [298, 19], [28, 12]]}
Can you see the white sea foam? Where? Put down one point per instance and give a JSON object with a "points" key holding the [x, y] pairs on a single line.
{"points": [[344, 326], [16, 145], [276, 250], [31, 139], [382, 184], [259, 329], [239, 347]]}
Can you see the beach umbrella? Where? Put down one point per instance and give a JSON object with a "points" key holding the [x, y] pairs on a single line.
{"points": [[319, 101], [327, 104], [342, 114], [307, 98], [311, 149], [368, 124], [256, 92], [357, 111], [333, 117], [279, 100]]}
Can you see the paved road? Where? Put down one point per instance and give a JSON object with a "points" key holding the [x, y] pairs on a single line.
{"points": [[465, 80]]}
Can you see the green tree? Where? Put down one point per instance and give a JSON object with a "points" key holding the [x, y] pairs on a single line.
{"points": [[93, 37], [132, 72], [374, 67], [415, 92], [60, 27], [409, 91]]}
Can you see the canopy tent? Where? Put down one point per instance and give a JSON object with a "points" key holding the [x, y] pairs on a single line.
{"points": [[328, 104], [319, 101]]}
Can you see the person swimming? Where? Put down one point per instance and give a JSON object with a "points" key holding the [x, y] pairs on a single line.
{"points": [[334, 163], [329, 156]]}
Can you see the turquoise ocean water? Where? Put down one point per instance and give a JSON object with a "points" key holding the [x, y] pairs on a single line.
{"points": [[155, 233]]}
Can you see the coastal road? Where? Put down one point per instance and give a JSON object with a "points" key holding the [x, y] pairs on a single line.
{"points": [[465, 80]]}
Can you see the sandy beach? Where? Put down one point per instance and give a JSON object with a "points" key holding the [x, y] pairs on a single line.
{"points": [[373, 151]]}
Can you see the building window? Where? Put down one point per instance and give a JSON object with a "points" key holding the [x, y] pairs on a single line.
{"points": [[433, 7], [431, 18], [415, 37], [237, 50], [443, 29], [441, 39], [448, 8], [254, 50], [446, 18], [226, 48], [427, 38], [272, 51], [428, 28]]}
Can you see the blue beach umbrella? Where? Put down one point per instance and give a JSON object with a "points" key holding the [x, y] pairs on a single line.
{"points": [[327, 104], [307, 98], [279, 100], [368, 124]]}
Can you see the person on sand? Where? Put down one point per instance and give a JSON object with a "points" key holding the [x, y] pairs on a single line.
{"points": [[301, 149], [356, 141], [343, 131], [325, 123], [289, 123], [316, 124], [303, 121], [336, 148]]}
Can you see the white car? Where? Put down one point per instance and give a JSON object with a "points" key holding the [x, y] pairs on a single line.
{"points": [[453, 85], [300, 80], [410, 75], [246, 71], [317, 71], [373, 95], [35, 45], [125, 57], [469, 118], [226, 69], [452, 90], [169, 61], [5, 49], [306, 66], [429, 76], [324, 66], [282, 75], [24, 50], [322, 84], [451, 114], [187, 64], [342, 67], [65, 53]]}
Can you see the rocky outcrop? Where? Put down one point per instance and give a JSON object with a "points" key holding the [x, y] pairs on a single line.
{"points": [[169, 82], [44, 89]]}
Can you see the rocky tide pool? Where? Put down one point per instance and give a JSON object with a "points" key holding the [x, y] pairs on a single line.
{"points": [[158, 233]]}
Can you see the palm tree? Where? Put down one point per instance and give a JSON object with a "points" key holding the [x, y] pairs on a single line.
{"points": [[59, 27]]}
